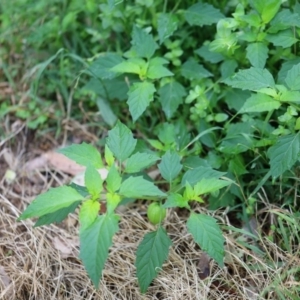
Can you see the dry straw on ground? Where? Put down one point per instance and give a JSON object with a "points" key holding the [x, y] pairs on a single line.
{"points": [[42, 263]]}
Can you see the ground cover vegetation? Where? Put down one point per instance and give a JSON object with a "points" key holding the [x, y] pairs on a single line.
{"points": [[204, 93]]}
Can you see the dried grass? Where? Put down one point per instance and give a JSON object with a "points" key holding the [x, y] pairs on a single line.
{"points": [[31, 268]]}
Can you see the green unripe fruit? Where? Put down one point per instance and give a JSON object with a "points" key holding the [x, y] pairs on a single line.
{"points": [[156, 213]]}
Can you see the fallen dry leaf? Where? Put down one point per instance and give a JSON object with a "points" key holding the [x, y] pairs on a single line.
{"points": [[66, 246], [56, 161], [4, 277], [60, 162]]}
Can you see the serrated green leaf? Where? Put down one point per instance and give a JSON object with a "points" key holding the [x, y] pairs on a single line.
{"points": [[228, 68], [257, 53], [170, 165], [88, 213], [138, 187], [150, 256], [267, 8], [113, 179], [140, 95], [54, 199], [290, 96], [101, 67], [202, 14], [284, 20], [115, 88], [252, 79], [259, 103], [293, 78], [209, 185], [140, 161], [208, 55], [143, 43], [57, 216], [192, 70], [132, 65], [195, 175], [188, 193], [236, 144], [175, 200], [284, 153], [82, 190], [95, 242], [208, 235], [109, 157], [93, 181], [171, 96], [166, 25], [84, 154], [156, 69], [106, 112], [120, 141], [285, 38]]}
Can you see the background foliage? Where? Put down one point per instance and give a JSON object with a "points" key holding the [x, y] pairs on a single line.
{"points": [[211, 86]]}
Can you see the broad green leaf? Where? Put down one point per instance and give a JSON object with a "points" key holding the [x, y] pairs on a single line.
{"points": [[156, 69], [267, 8], [132, 65], [111, 4], [140, 95], [285, 38], [84, 154], [202, 14], [209, 185], [112, 201], [101, 67], [120, 141], [237, 166], [259, 103], [171, 96], [195, 175], [166, 25], [115, 88], [284, 153], [143, 43], [109, 157], [95, 241], [228, 67], [113, 179], [57, 216], [138, 187], [140, 161], [93, 181], [106, 112], [150, 256], [208, 235], [285, 67], [192, 70], [175, 200], [166, 133], [170, 165], [54, 199], [88, 213], [188, 192], [235, 144], [208, 55], [252, 79], [290, 96], [257, 53], [293, 78], [284, 20], [82, 190]]}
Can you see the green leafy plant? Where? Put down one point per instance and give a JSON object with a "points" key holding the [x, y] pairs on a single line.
{"points": [[213, 88], [126, 179]]}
